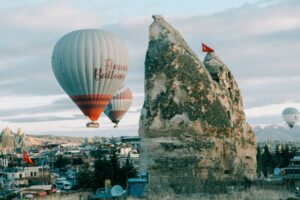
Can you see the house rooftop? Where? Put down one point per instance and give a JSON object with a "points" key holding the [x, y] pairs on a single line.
{"points": [[137, 180], [296, 158]]}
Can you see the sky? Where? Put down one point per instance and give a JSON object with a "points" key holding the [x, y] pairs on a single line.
{"points": [[257, 39]]}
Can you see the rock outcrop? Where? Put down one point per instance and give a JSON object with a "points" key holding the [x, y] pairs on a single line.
{"points": [[9, 140], [192, 124]]}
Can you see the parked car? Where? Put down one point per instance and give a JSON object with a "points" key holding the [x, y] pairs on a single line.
{"points": [[60, 179], [63, 185], [60, 185]]}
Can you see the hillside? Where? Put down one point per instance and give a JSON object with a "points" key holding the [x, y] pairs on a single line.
{"points": [[11, 140], [277, 132]]}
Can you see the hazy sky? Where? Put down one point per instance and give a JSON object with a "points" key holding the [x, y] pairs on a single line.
{"points": [[258, 40]]}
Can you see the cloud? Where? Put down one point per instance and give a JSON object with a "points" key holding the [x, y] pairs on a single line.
{"points": [[269, 111], [270, 89], [259, 42], [268, 114], [128, 125], [49, 15], [21, 102], [38, 119]]}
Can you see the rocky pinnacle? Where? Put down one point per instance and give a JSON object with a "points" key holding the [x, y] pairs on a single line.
{"points": [[192, 124]]}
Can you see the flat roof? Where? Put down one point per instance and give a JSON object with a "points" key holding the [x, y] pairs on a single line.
{"points": [[135, 180], [41, 187], [296, 158], [291, 167]]}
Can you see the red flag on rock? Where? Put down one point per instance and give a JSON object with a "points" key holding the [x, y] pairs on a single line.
{"points": [[206, 48], [26, 158]]}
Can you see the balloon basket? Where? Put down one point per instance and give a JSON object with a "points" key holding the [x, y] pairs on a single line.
{"points": [[92, 125]]}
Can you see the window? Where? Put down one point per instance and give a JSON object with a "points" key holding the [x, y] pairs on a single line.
{"points": [[229, 75], [228, 115], [230, 92]]}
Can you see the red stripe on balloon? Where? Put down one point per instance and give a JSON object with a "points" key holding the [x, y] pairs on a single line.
{"points": [[92, 105], [116, 116], [91, 97], [104, 103]]}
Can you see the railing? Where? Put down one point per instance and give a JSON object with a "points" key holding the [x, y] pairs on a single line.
{"points": [[292, 176]]}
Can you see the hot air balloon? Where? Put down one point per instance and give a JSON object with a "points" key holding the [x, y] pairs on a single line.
{"points": [[90, 65], [119, 105], [290, 116]]}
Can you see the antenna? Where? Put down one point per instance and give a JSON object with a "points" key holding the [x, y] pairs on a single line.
{"points": [[117, 191]]}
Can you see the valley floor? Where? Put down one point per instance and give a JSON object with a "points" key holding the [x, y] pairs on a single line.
{"points": [[251, 194]]}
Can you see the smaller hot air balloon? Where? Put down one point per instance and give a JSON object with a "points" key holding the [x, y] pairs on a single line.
{"points": [[119, 105], [290, 116]]}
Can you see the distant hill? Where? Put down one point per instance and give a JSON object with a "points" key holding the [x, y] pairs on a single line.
{"points": [[59, 139], [277, 132], [10, 140]]}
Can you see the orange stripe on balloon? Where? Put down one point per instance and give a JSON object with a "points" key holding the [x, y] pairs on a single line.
{"points": [[92, 113], [91, 97], [92, 105], [104, 103]]}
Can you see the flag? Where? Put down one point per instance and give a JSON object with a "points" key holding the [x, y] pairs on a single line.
{"points": [[26, 158], [206, 48]]}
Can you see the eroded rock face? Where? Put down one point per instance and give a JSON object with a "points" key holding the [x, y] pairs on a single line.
{"points": [[10, 140], [230, 93], [192, 124], [7, 139]]}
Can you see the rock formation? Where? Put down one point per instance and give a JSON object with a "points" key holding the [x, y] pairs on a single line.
{"points": [[192, 124], [7, 139]]}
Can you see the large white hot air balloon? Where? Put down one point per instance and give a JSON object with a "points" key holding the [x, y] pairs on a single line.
{"points": [[90, 65], [119, 105], [290, 116]]}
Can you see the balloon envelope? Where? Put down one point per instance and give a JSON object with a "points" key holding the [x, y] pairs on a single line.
{"points": [[290, 116], [90, 65], [119, 105]]}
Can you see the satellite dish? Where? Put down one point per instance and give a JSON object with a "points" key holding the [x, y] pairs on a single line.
{"points": [[117, 191], [277, 171], [28, 196]]}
